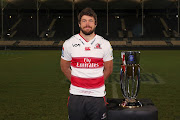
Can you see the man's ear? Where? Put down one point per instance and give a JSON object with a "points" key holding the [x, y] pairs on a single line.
{"points": [[79, 24]]}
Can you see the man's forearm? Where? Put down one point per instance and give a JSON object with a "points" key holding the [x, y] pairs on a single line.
{"points": [[65, 68], [108, 69], [107, 73], [67, 73]]}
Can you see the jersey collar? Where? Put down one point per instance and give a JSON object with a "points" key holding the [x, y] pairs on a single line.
{"points": [[86, 40]]}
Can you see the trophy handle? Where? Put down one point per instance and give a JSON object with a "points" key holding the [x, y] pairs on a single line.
{"points": [[138, 81], [122, 76], [133, 81]]}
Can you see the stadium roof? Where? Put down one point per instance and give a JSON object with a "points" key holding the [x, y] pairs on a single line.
{"points": [[95, 4]]}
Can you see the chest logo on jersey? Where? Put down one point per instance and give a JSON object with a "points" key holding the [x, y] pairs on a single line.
{"points": [[87, 62], [87, 48], [97, 46], [76, 45]]}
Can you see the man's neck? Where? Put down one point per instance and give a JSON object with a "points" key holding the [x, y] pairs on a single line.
{"points": [[87, 37]]}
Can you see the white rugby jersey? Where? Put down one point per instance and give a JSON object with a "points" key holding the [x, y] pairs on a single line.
{"points": [[87, 64]]}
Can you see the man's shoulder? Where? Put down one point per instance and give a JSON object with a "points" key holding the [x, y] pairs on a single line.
{"points": [[102, 39]]}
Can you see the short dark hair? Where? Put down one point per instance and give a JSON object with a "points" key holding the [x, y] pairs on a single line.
{"points": [[89, 12]]}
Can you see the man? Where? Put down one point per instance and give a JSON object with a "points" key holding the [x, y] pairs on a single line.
{"points": [[87, 61]]}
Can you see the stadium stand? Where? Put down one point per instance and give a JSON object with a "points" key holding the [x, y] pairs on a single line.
{"points": [[36, 43], [10, 24], [115, 28], [118, 43], [149, 43], [44, 22], [63, 27], [172, 25], [124, 23], [175, 43], [153, 28], [60, 43], [101, 26], [7, 43], [133, 24], [26, 30]]}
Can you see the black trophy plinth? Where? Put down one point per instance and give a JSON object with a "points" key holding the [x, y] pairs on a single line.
{"points": [[116, 112]]}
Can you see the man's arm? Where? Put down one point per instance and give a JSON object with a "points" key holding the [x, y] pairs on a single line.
{"points": [[65, 68], [108, 68]]}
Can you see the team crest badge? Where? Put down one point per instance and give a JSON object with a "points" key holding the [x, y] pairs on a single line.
{"points": [[98, 46]]}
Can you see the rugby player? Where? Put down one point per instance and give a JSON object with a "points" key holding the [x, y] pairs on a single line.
{"points": [[87, 61]]}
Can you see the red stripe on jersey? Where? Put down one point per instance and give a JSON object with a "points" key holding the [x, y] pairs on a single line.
{"points": [[88, 83], [87, 62]]}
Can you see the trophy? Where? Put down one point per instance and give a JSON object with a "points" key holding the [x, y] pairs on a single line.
{"points": [[130, 78]]}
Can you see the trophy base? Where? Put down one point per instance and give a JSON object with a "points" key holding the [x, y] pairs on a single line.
{"points": [[130, 103], [147, 112]]}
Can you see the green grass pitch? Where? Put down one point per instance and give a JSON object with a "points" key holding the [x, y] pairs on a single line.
{"points": [[32, 86]]}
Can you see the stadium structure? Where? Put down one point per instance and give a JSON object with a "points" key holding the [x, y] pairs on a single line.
{"points": [[30, 24], [32, 32]]}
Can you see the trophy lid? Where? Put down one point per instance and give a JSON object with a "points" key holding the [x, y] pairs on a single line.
{"points": [[130, 57]]}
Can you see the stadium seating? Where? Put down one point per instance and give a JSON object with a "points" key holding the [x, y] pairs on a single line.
{"points": [[172, 25], [36, 43], [133, 24], [124, 30], [118, 43], [44, 21], [7, 43], [149, 43], [26, 30], [60, 43], [119, 27], [153, 28], [63, 27], [175, 43]]}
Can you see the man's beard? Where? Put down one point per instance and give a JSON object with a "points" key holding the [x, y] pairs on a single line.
{"points": [[87, 33]]}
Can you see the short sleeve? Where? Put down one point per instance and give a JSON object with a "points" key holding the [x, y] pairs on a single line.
{"points": [[108, 52], [66, 55]]}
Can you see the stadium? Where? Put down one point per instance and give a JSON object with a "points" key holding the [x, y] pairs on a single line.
{"points": [[32, 85]]}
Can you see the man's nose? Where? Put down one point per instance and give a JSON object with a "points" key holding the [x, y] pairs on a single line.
{"points": [[87, 22]]}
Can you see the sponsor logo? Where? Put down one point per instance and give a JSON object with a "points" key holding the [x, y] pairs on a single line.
{"points": [[87, 64], [86, 92], [98, 46], [87, 48], [76, 45]]}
